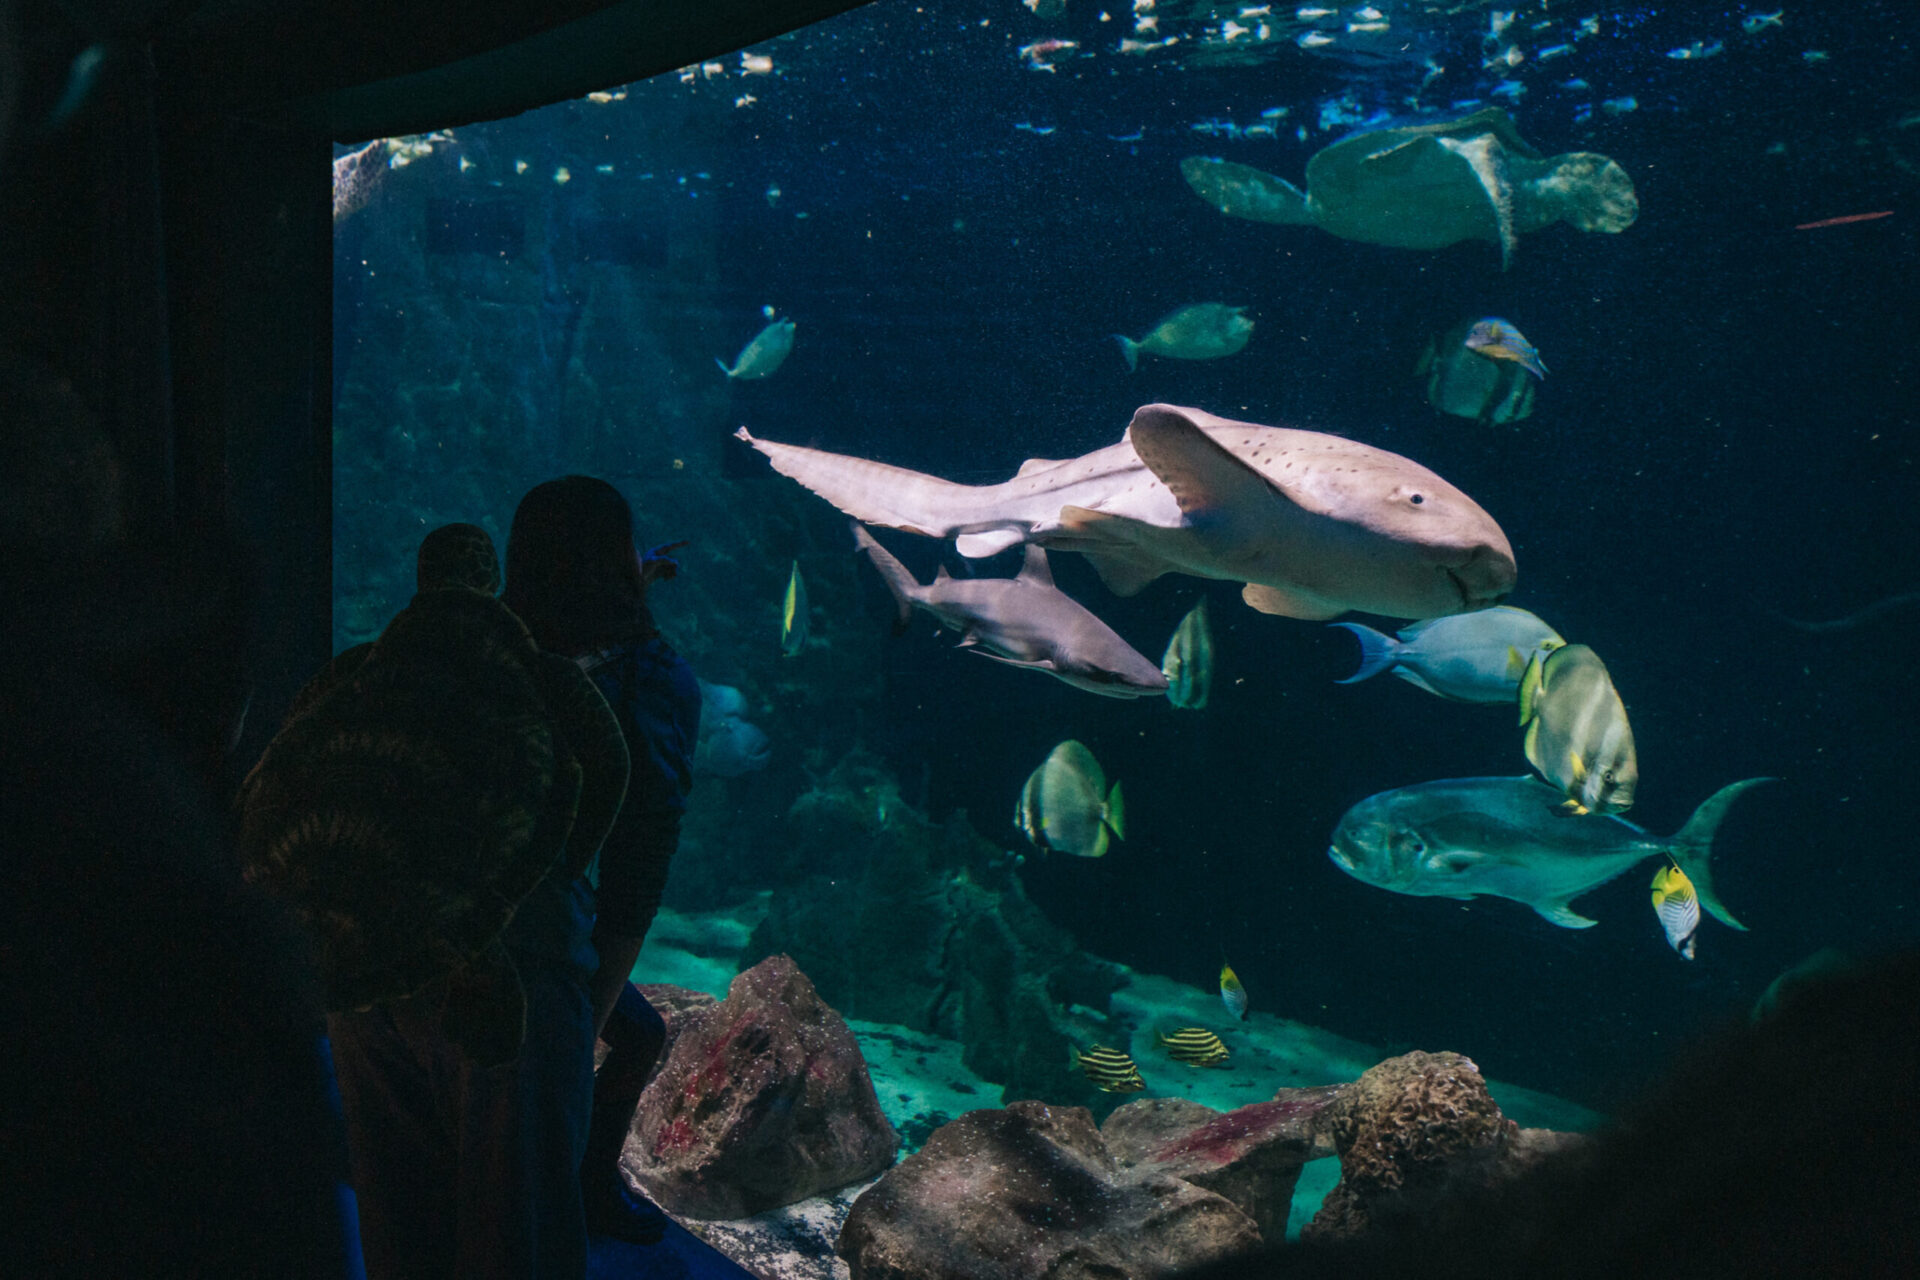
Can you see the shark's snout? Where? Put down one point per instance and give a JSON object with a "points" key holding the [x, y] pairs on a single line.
{"points": [[1484, 578]]}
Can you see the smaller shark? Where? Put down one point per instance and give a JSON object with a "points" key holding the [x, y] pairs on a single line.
{"points": [[1023, 621]]}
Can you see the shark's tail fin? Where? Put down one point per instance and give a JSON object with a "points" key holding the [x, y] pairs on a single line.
{"points": [[1130, 349], [898, 580], [1692, 847], [875, 493], [1376, 651]]}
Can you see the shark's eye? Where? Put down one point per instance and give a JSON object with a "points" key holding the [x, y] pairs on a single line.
{"points": [[1417, 499]]}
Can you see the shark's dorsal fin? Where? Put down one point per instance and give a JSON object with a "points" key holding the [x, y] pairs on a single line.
{"points": [[1286, 604], [1202, 476], [1032, 465], [1036, 569]]}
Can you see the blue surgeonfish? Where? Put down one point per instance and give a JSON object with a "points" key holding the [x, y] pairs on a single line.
{"points": [[1577, 733], [1470, 657], [1202, 331], [793, 614], [1502, 838], [1232, 994], [1484, 369], [1677, 907], [1188, 664], [762, 357], [1066, 806]]}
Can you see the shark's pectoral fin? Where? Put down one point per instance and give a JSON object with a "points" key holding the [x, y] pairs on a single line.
{"points": [[1204, 478], [1106, 543], [1563, 915], [976, 546], [1123, 575], [1038, 664], [1288, 604]]}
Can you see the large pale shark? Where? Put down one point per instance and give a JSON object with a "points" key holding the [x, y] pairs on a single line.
{"points": [[1313, 524], [1024, 622]]}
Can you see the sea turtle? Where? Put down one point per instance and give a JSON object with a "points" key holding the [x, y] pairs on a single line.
{"points": [[421, 791], [1428, 186]]}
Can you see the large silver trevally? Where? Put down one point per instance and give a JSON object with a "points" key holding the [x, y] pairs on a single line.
{"points": [[1023, 621], [1470, 657], [762, 357], [1066, 806], [1188, 664], [1577, 733], [1201, 331], [1313, 524], [1504, 838]]}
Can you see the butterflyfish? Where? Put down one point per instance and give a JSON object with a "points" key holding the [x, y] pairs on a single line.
{"points": [[1577, 733], [1066, 806], [1678, 907], [1188, 665], [1232, 994]]}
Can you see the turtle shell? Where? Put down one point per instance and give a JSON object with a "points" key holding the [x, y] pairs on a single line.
{"points": [[411, 806]]}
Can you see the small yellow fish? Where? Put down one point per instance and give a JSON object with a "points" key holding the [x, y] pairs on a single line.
{"points": [[1678, 907], [793, 614], [1110, 1070], [1232, 994], [1195, 1046]]}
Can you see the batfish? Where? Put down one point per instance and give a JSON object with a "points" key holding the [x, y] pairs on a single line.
{"points": [[1314, 525]]}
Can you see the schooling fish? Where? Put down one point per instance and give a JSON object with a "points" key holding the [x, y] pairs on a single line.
{"points": [[793, 614], [1483, 369], [762, 357], [1577, 733], [1188, 665], [1066, 806], [1202, 331], [1110, 1070], [1677, 907], [1502, 837], [1195, 1046], [1470, 657], [1232, 994]]}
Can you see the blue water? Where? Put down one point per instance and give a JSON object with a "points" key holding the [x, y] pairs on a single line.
{"points": [[1727, 435]]}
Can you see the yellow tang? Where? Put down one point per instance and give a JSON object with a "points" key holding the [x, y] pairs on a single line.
{"points": [[1678, 907]]}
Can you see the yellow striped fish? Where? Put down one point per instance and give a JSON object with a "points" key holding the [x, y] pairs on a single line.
{"points": [[793, 614], [1678, 907], [1110, 1070], [1577, 732], [1232, 994], [1195, 1046]]}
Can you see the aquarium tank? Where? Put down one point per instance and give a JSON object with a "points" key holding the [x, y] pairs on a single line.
{"points": [[1578, 345]]}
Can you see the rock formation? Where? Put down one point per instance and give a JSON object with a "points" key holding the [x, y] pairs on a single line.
{"points": [[1031, 1190], [763, 1100]]}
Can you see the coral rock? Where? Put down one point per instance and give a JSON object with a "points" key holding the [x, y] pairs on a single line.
{"points": [[1032, 1190], [1251, 1155], [763, 1100], [1413, 1127]]}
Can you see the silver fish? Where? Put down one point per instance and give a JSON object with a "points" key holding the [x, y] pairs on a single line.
{"points": [[762, 357], [1314, 524], [1023, 622], [1188, 664], [1502, 837], [1066, 807], [1202, 331], [1470, 657]]}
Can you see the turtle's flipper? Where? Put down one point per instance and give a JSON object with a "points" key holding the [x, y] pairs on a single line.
{"points": [[486, 1010], [1488, 160]]}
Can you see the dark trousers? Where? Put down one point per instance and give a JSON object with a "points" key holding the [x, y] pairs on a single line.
{"points": [[464, 1171], [635, 1034]]}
